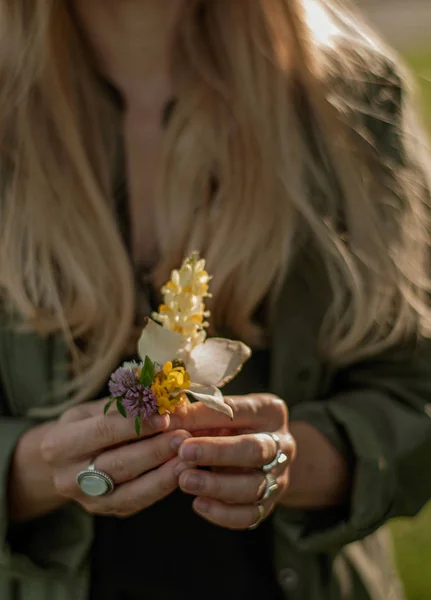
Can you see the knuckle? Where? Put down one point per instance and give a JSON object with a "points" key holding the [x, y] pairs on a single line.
{"points": [[49, 448], [213, 486], [166, 484], [267, 398], [119, 469], [104, 430], [76, 413], [160, 450], [192, 417], [63, 485], [280, 406], [177, 433], [277, 406], [214, 454], [257, 451]]}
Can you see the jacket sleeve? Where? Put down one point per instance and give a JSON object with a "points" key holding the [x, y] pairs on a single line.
{"points": [[382, 417], [56, 544], [380, 413]]}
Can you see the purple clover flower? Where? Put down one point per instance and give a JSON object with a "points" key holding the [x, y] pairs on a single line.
{"points": [[140, 401], [137, 399], [121, 381]]}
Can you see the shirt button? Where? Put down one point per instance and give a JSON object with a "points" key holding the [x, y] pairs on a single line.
{"points": [[288, 579]]}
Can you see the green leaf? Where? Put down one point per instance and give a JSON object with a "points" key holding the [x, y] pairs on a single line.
{"points": [[108, 405], [138, 425], [120, 407], [147, 372]]}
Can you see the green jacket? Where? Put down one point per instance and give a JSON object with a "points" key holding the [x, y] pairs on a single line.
{"points": [[379, 410]]}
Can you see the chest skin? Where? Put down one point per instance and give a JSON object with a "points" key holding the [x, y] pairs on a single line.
{"points": [[142, 144]]}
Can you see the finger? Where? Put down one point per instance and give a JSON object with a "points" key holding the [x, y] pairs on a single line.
{"points": [[231, 516], [258, 412], [134, 496], [246, 488], [215, 432], [69, 441], [125, 463], [248, 450], [86, 410]]}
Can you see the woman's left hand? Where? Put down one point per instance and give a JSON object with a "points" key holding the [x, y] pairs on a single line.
{"points": [[229, 495]]}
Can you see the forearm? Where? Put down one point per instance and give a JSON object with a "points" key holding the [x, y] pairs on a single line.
{"points": [[319, 476], [31, 491]]}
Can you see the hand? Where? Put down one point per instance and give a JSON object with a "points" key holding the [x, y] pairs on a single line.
{"points": [[229, 494], [143, 471]]}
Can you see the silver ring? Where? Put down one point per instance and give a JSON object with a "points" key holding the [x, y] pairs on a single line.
{"points": [[94, 482], [271, 486], [279, 457], [259, 518]]}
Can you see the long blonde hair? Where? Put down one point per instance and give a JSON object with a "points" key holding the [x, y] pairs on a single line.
{"points": [[241, 73]]}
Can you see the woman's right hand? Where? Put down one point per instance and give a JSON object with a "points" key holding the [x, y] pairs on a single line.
{"points": [[143, 471]]}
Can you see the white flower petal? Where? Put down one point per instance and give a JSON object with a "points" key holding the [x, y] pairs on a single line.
{"points": [[211, 396], [132, 365], [216, 361], [159, 343]]}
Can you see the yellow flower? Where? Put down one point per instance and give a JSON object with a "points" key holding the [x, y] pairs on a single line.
{"points": [[183, 308], [167, 384]]}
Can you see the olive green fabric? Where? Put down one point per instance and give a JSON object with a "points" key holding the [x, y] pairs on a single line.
{"points": [[377, 412]]}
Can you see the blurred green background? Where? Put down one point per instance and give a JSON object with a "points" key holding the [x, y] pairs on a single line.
{"points": [[407, 27], [420, 61]]}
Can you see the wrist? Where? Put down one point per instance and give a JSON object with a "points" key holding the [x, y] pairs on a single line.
{"points": [[31, 490], [320, 476]]}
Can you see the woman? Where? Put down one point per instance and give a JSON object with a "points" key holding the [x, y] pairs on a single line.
{"points": [[277, 138]]}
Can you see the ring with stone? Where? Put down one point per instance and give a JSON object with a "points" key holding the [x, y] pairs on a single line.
{"points": [[94, 482]]}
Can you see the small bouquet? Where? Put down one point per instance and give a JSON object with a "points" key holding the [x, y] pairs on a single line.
{"points": [[177, 359]]}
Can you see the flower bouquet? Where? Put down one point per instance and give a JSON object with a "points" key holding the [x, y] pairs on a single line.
{"points": [[178, 361]]}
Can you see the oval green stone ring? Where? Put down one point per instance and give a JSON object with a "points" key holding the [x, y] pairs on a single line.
{"points": [[94, 482]]}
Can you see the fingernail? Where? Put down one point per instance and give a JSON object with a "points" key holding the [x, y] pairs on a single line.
{"points": [[190, 452], [193, 482], [177, 441], [159, 421], [179, 468], [202, 505]]}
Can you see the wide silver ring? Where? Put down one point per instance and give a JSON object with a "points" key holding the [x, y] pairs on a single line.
{"points": [[260, 518], [94, 482], [271, 486], [279, 457]]}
